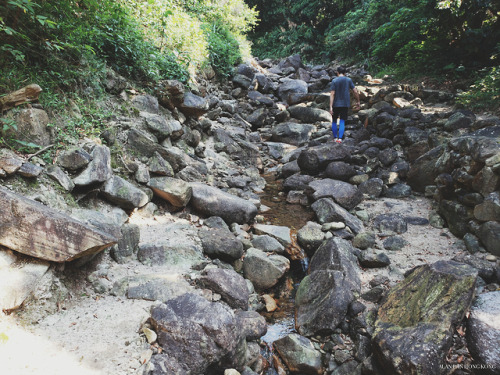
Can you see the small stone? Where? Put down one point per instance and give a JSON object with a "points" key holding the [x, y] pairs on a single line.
{"points": [[151, 335], [332, 226], [491, 258]]}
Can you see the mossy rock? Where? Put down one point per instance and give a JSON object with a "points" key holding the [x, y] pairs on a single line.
{"points": [[414, 328]]}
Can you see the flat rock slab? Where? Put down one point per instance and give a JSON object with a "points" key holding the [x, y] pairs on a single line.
{"points": [[33, 229], [211, 201], [280, 233], [425, 307]]}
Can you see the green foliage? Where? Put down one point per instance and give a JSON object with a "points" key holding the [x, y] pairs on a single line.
{"points": [[485, 92], [223, 49]]}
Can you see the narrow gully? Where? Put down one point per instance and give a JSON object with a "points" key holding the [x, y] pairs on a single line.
{"points": [[294, 216]]}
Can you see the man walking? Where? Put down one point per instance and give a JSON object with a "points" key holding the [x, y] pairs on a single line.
{"points": [[340, 101]]}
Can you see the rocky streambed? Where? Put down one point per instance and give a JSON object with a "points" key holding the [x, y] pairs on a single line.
{"points": [[240, 239]]}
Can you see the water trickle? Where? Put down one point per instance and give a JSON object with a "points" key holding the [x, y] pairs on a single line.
{"points": [[294, 216]]}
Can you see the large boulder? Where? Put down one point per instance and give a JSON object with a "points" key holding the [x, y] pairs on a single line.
{"points": [[309, 114], [315, 159], [211, 201], [483, 333], [291, 86], [34, 229], [324, 295], [292, 133], [345, 194], [426, 168], [425, 307], [193, 333]]}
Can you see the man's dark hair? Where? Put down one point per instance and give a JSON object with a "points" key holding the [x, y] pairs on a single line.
{"points": [[341, 70]]}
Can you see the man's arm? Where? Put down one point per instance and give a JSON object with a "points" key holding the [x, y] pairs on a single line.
{"points": [[332, 96]]}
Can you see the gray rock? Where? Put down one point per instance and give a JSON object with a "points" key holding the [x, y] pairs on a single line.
{"points": [[364, 240], [219, 243], [398, 191], [157, 125], [426, 168], [483, 332], [143, 143], [123, 193], [297, 182], [216, 222], [279, 232], [146, 103], [30, 170], [291, 86], [32, 126], [173, 190], [299, 354], [98, 170], [292, 133], [252, 324], [193, 105], [426, 306], [268, 244], [127, 245], [313, 159], [9, 161], [310, 237], [394, 243], [459, 121], [230, 285], [373, 259], [390, 224], [489, 234], [168, 254], [264, 270], [345, 194], [160, 166], [242, 81], [58, 175], [339, 170], [457, 217], [309, 114], [489, 210], [373, 187], [194, 333], [211, 201], [257, 118], [327, 210]]}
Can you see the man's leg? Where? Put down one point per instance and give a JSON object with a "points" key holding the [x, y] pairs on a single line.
{"points": [[335, 116], [343, 118]]}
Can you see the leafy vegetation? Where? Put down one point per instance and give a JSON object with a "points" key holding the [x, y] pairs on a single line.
{"points": [[67, 47]]}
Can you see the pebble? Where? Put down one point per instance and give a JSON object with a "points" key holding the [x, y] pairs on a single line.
{"points": [[491, 258]]}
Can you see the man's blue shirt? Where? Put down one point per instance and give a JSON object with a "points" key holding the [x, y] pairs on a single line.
{"points": [[341, 85]]}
